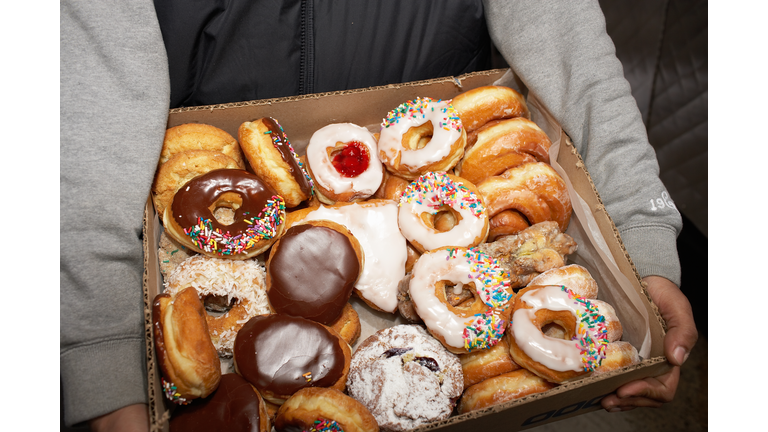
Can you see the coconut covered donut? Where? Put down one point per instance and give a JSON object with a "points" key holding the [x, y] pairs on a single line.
{"points": [[405, 378], [502, 388], [436, 197], [234, 290], [317, 409], [481, 105], [258, 220], [344, 162], [185, 353], [479, 322], [272, 158], [198, 136], [421, 135]]}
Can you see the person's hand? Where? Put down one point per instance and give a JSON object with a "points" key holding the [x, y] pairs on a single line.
{"points": [[680, 338], [132, 418]]}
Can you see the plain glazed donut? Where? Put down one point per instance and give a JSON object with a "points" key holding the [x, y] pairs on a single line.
{"points": [[185, 353], [433, 194], [618, 354], [501, 145], [419, 136], [483, 364], [348, 325], [478, 106], [344, 162], [280, 354], [272, 158], [235, 406], [575, 277], [502, 388], [259, 215], [317, 409], [476, 324], [405, 378], [391, 186], [198, 136], [556, 360], [235, 287]]}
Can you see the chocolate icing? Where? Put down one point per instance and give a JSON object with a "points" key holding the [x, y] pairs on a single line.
{"points": [[276, 353], [312, 271], [281, 143], [233, 406]]}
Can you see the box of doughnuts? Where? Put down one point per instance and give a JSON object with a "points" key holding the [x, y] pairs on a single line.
{"points": [[421, 256]]}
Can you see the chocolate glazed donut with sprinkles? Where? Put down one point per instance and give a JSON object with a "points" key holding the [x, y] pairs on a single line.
{"points": [[259, 218]]}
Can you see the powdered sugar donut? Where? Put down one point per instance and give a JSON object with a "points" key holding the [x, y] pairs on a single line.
{"points": [[405, 378], [436, 193], [344, 162], [475, 324], [421, 135]]}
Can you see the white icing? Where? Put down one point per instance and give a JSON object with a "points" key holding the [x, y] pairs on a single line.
{"points": [[462, 234], [375, 227], [322, 167]]}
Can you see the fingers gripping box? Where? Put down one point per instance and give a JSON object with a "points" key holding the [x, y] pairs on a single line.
{"points": [[600, 248]]}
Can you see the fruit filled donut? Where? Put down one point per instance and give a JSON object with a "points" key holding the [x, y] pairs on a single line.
{"points": [[344, 162], [479, 322], [421, 135], [478, 106], [273, 159], [436, 195], [259, 215], [317, 409]]}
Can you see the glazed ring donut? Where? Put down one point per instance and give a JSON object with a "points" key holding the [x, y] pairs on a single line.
{"points": [[235, 406], [316, 409], [344, 162], [182, 168], [259, 215], [421, 135], [502, 388], [189, 362], [618, 354], [556, 360], [197, 136], [478, 106], [312, 270], [391, 186], [506, 222], [348, 325], [235, 287], [434, 194], [280, 354], [405, 378], [478, 323], [501, 145], [575, 277], [534, 189], [481, 365], [272, 158]]}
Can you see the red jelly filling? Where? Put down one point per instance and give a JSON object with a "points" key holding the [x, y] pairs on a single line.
{"points": [[352, 161]]}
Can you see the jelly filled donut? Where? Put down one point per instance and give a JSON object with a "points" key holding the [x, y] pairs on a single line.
{"points": [[436, 194], [479, 322], [405, 378], [421, 135], [478, 106], [344, 162], [317, 409], [185, 353], [280, 354], [273, 159], [312, 270], [235, 406], [259, 215]]}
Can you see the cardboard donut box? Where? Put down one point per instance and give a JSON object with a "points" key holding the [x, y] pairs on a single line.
{"points": [[600, 247]]}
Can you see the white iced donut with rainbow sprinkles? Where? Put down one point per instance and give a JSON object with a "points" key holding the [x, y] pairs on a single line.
{"points": [[478, 322], [440, 209], [421, 135]]}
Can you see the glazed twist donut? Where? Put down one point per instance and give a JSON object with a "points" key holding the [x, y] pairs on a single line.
{"points": [[533, 189], [317, 409], [433, 194], [259, 215], [421, 135], [344, 161], [185, 353], [197, 136], [272, 158], [476, 324], [478, 106]]}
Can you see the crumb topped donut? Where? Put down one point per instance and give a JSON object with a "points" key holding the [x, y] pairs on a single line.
{"points": [[259, 215], [421, 135], [318, 409], [437, 193], [343, 160]]}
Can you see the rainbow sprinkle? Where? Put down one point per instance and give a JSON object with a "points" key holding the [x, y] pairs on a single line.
{"points": [[170, 392], [323, 425], [263, 227], [591, 332], [435, 189], [276, 141], [483, 330], [492, 280], [418, 108]]}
